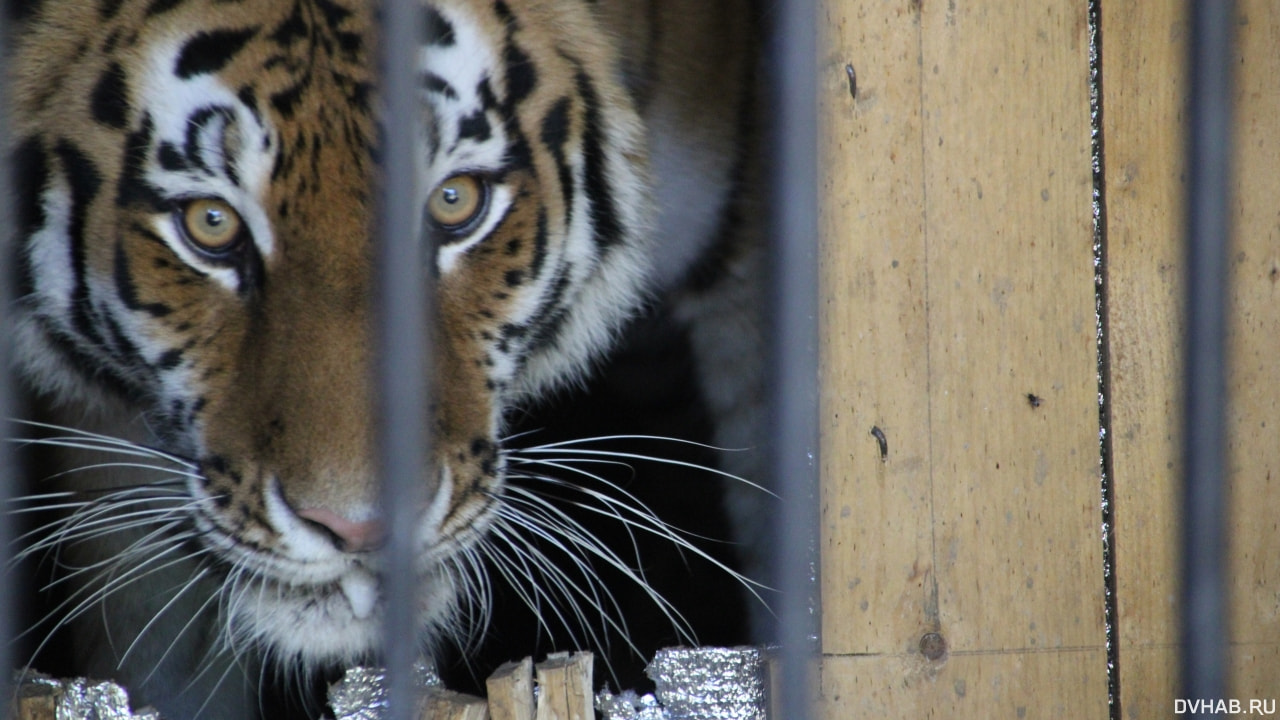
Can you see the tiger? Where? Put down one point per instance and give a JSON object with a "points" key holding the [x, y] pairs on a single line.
{"points": [[194, 306]]}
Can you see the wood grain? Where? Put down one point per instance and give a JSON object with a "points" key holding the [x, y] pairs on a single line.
{"points": [[958, 281], [565, 687], [510, 689], [1144, 92], [1254, 384]]}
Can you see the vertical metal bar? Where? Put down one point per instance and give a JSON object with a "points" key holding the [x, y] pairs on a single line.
{"points": [[8, 470], [792, 99], [1204, 579], [403, 361]]}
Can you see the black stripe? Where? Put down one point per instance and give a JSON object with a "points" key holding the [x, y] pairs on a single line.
{"points": [[31, 177], [169, 360], [474, 127], [107, 9], [521, 75], [539, 244], [334, 14], [504, 14], [108, 101], [286, 101], [31, 167], [123, 349], [555, 133], [208, 52], [438, 31], [247, 96], [549, 320], [293, 29], [85, 181], [434, 83], [133, 188], [597, 184], [171, 158], [197, 122], [100, 374], [126, 288], [162, 6]]}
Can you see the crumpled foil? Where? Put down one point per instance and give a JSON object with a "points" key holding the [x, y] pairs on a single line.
{"points": [[629, 706], [697, 684], [361, 694], [78, 698]]}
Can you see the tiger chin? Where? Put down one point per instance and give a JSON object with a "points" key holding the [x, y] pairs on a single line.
{"points": [[195, 307]]}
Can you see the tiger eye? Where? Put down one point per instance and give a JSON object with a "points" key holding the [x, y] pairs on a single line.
{"points": [[457, 202], [213, 225]]}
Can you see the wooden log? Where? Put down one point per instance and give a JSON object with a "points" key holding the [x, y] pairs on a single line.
{"points": [[565, 687], [511, 691], [35, 702], [449, 705]]}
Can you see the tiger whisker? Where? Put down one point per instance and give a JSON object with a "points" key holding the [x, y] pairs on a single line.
{"points": [[533, 562], [557, 524], [560, 448], [653, 525], [91, 529], [93, 595], [100, 518], [85, 440], [186, 585], [186, 626]]}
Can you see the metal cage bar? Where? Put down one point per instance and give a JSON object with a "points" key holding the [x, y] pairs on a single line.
{"points": [[8, 470], [792, 62], [403, 357], [1208, 207]]}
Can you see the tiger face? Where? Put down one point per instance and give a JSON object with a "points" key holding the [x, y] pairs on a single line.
{"points": [[195, 248]]}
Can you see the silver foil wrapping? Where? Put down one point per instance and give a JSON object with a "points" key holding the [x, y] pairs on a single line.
{"points": [[629, 706], [697, 684], [80, 699], [361, 694]]}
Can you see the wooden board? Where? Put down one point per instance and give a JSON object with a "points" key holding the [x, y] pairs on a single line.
{"points": [[1144, 89], [958, 280], [1017, 686], [1144, 82], [1254, 384]]}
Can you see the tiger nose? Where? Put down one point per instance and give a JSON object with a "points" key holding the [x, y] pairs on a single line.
{"points": [[348, 535]]}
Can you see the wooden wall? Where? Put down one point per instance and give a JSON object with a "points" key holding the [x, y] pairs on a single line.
{"points": [[963, 571]]}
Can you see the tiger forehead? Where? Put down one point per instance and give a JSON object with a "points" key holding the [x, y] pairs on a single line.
{"points": [[303, 59]]}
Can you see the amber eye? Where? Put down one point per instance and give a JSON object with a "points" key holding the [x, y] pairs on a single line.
{"points": [[457, 202], [213, 225]]}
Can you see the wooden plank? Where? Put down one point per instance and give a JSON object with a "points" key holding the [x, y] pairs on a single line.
{"points": [[1026, 686], [1254, 386], [1011, 312], [1143, 47], [510, 689], [1144, 50], [876, 535], [958, 276]]}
